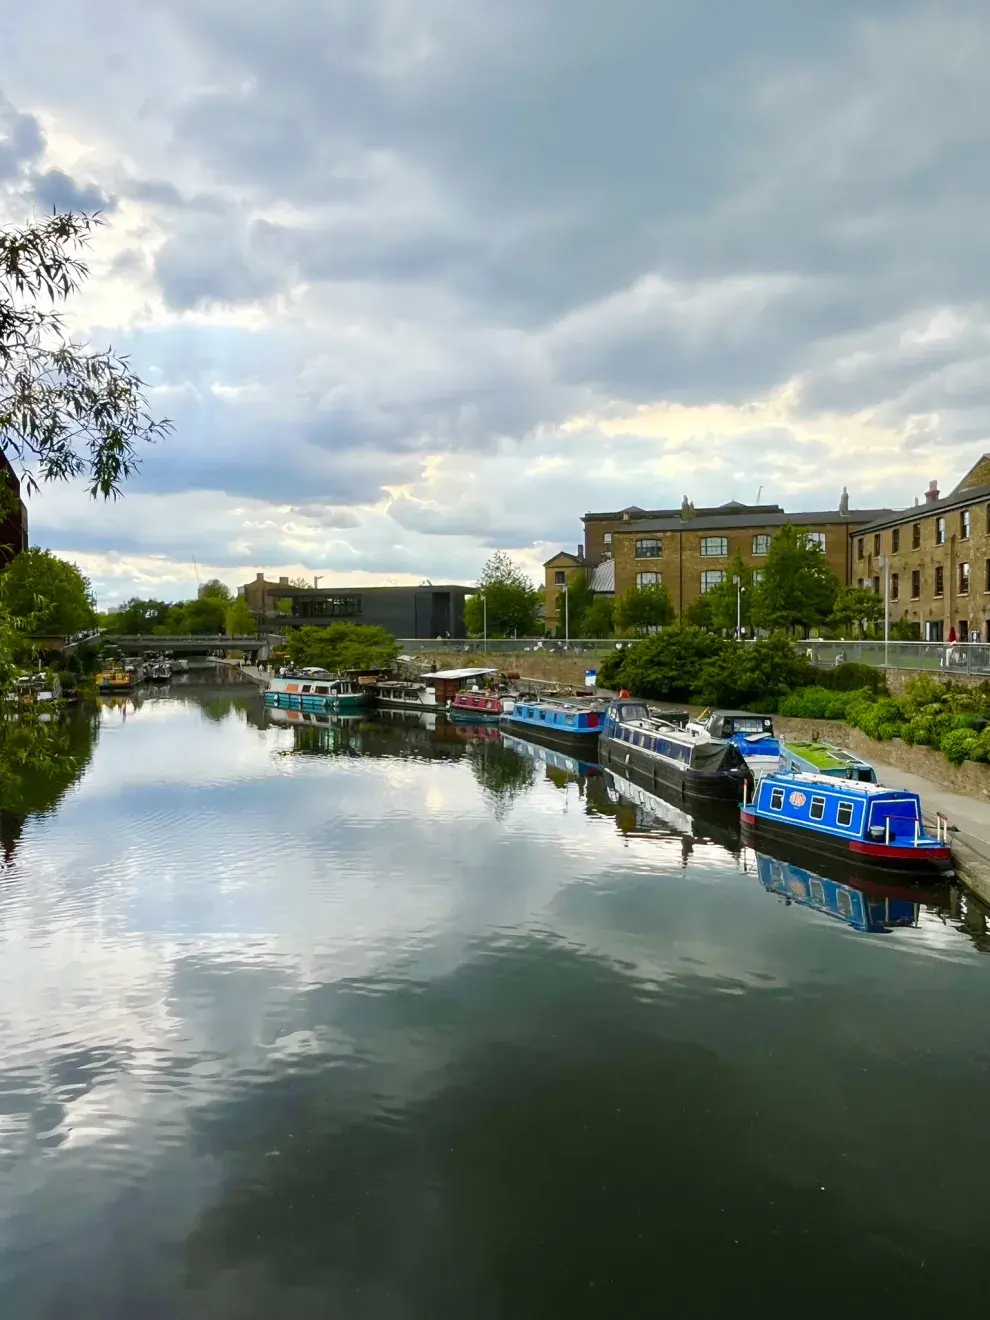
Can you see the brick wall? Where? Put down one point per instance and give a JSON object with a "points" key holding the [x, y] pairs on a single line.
{"points": [[553, 591]]}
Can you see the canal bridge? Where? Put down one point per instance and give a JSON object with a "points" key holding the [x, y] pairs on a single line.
{"points": [[259, 645]]}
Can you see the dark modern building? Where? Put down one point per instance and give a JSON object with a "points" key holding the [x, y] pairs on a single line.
{"points": [[13, 513], [423, 611]]}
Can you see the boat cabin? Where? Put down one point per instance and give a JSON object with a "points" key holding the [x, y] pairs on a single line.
{"points": [[728, 723], [824, 759], [848, 810], [480, 702], [559, 716], [446, 683]]}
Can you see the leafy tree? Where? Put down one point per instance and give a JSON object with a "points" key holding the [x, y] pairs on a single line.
{"points": [[240, 621], [580, 599], [342, 646], [512, 602], [699, 613], [49, 595], [668, 665], [742, 673], [136, 617], [214, 589], [642, 609], [66, 409], [599, 618], [856, 611], [905, 630], [724, 600], [798, 589]]}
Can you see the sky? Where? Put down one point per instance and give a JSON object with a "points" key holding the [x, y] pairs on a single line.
{"points": [[420, 279]]}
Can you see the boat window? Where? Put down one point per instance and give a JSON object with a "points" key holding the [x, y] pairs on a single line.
{"points": [[844, 902], [776, 799], [844, 814], [817, 892], [817, 808], [322, 691], [307, 687]]}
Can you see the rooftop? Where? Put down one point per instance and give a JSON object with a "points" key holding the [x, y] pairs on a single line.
{"points": [[958, 499], [704, 521]]}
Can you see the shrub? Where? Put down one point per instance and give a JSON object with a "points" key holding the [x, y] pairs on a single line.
{"points": [[962, 745], [668, 666], [852, 677], [610, 668], [878, 719], [818, 703], [741, 673]]}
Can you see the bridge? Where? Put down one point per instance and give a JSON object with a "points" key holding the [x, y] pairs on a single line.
{"points": [[257, 644]]}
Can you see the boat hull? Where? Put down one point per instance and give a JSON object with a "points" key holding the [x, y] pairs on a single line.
{"points": [[472, 716], [683, 781], [292, 701], [927, 861], [578, 741]]}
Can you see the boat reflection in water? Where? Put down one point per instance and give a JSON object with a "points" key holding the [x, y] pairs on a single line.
{"points": [[570, 766], [863, 903], [642, 812]]}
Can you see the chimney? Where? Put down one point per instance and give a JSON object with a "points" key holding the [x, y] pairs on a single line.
{"points": [[283, 582], [259, 577], [580, 552], [844, 504], [931, 494]]}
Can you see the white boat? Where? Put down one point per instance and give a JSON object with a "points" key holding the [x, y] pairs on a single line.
{"points": [[316, 692], [402, 694], [752, 734]]}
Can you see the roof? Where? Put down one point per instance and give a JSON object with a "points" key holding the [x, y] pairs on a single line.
{"points": [[562, 554], [603, 578], [728, 522], [733, 506], [460, 673], [957, 500]]}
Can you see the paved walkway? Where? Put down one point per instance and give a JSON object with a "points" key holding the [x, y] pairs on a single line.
{"points": [[252, 671]]}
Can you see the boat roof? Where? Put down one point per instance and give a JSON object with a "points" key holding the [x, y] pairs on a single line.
{"points": [[737, 714], [838, 755], [841, 785], [460, 673]]}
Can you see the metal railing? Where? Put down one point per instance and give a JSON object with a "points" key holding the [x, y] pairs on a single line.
{"points": [[935, 657], [505, 645]]}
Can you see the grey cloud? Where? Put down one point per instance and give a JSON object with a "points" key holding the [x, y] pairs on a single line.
{"points": [[54, 190], [21, 140]]}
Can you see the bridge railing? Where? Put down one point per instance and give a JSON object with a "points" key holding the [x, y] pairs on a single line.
{"points": [[503, 645]]}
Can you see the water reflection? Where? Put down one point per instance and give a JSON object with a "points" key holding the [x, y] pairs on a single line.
{"points": [[642, 812]]}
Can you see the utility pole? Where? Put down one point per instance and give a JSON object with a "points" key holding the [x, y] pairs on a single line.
{"points": [[885, 560], [567, 614], [739, 591], [484, 606]]}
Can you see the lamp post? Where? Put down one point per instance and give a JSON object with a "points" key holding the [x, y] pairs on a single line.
{"points": [[484, 606], [567, 614], [885, 560], [739, 591]]}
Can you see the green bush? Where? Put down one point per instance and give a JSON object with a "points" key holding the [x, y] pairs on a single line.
{"points": [[852, 677], [962, 745], [881, 719], [818, 703], [742, 673], [609, 670]]}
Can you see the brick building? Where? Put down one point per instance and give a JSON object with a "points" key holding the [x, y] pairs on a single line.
{"points": [[939, 553], [13, 513], [689, 550]]}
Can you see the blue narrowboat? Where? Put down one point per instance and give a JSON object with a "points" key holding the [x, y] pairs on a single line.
{"points": [[752, 734], [861, 822], [551, 759], [865, 906], [563, 723], [689, 762]]}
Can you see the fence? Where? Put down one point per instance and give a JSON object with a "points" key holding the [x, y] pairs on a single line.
{"points": [[505, 645], [946, 657]]}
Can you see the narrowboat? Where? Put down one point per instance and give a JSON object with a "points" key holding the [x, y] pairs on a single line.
{"points": [[117, 679], [342, 693], [862, 822], [818, 758], [863, 904], [550, 758], [477, 707], [403, 694], [564, 723], [686, 762], [752, 734]]}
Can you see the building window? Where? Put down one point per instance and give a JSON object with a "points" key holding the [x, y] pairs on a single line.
{"points": [[712, 546], [916, 536], [649, 579], [859, 548], [712, 577], [964, 525], [649, 548], [876, 586], [815, 538], [916, 584], [758, 575], [761, 544], [895, 585], [607, 538], [939, 581], [895, 540], [940, 531], [964, 579], [559, 577], [326, 607], [876, 543]]}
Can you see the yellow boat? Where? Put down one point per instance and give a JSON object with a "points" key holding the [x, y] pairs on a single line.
{"points": [[115, 680]]}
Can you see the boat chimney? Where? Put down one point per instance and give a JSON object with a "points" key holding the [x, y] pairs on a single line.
{"points": [[931, 494]]}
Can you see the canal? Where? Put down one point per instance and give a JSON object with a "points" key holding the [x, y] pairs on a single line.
{"points": [[375, 1021]]}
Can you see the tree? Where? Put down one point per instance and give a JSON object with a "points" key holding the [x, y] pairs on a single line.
{"points": [[856, 610], [699, 613], [512, 602], [667, 665], [205, 616], [750, 672], [599, 618], [214, 589], [724, 600], [580, 599], [65, 408], [643, 609], [798, 589], [342, 646], [240, 621], [49, 595], [136, 617]]}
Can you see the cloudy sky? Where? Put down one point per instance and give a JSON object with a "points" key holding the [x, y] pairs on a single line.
{"points": [[420, 278]]}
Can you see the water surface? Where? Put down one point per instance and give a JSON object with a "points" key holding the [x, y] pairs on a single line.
{"points": [[371, 1020]]}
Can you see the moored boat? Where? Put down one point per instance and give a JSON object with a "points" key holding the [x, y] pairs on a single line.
{"points": [[116, 679], [752, 734], [550, 757], [565, 723], [821, 758], [476, 707], [687, 762], [862, 822], [405, 694], [340, 693]]}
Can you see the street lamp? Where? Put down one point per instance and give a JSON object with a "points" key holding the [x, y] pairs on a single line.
{"points": [[484, 606], [567, 614], [739, 591], [885, 560]]}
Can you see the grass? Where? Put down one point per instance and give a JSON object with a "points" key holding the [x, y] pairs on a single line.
{"points": [[820, 756]]}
